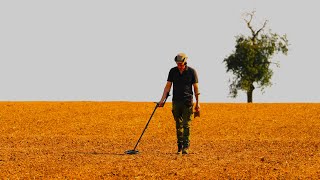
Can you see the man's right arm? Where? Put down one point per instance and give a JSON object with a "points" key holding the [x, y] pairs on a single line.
{"points": [[165, 93]]}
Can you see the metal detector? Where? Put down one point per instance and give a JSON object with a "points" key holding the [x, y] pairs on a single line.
{"points": [[134, 151]]}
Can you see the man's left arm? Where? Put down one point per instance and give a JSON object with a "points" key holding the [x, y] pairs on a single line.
{"points": [[196, 93]]}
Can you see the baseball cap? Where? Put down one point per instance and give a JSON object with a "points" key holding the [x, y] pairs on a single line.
{"points": [[181, 57]]}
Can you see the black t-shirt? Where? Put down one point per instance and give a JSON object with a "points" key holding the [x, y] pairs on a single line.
{"points": [[182, 83]]}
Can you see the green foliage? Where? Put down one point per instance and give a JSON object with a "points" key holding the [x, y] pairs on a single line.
{"points": [[250, 62]]}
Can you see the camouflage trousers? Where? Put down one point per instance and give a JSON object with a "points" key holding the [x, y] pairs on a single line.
{"points": [[182, 114]]}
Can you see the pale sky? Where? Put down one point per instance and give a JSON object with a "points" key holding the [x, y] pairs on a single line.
{"points": [[122, 50]]}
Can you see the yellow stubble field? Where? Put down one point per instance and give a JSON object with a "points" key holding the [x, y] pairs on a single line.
{"points": [[87, 140]]}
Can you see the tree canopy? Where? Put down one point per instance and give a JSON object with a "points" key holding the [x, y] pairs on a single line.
{"points": [[251, 60]]}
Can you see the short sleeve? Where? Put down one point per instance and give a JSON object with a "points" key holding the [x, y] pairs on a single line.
{"points": [[195, 77], [170, 76]]}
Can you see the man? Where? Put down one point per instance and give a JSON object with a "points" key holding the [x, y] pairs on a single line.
{"points": [[183, 78]]}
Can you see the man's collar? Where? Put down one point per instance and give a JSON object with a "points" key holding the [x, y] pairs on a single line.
{"points": [[186, 67]]}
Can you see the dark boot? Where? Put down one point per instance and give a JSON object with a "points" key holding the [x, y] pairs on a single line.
{"points": [[185, 149], [180, 147]]}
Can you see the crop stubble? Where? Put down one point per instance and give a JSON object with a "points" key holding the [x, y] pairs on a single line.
{"points": [[87, 140]]}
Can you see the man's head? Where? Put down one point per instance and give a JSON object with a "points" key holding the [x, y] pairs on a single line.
{"points": [[181, 60]]}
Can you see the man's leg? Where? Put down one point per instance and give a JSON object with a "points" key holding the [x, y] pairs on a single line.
{"points": [[186, 123], [177, 114], [179, 128]]}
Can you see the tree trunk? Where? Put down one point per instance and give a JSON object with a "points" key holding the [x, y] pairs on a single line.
{"points": [[249, 94]]}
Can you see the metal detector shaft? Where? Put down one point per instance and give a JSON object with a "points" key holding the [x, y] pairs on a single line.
{"points": [[145, 128], [157, 105]]}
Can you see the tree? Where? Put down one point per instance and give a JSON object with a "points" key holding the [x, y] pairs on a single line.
{"points": [[250, 62]]}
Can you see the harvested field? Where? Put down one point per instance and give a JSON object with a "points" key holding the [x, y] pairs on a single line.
{"points": [[87, 140]]}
